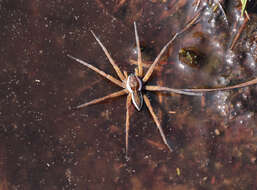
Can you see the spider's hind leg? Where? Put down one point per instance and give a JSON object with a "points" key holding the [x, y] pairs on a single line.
{"points": [[150, 108], [128, 104]]}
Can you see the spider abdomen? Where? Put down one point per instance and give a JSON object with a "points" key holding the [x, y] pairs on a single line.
{"points": [[134, 86]]}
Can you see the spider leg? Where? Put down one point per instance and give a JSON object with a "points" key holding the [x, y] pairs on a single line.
{"points": [[116, 68], [139, 56], [109, 77], [197, 4], [150, 70], [112, 95], [150, 108], [127, 121], [223, 12], [125, 74], [166, 89], [191, 22], [242, 85]]}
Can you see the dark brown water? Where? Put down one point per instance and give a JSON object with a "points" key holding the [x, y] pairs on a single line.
{"points": [[46, 144]]}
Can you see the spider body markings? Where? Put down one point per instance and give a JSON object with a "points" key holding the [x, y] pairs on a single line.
{"points": [[134, 83]]}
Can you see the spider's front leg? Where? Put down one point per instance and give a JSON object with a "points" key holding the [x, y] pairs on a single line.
{"points": [[139, 70]]}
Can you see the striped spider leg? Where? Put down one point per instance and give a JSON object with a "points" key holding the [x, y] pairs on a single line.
{"points": [[132, 85]]}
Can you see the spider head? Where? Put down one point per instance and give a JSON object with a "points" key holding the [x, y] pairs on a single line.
{"points": [[134, 86]]}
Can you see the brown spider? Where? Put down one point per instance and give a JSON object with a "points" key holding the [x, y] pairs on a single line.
{"points": [[134, 83]]}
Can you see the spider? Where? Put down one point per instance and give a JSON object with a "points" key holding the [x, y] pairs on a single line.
{"points": [[133, 84]]}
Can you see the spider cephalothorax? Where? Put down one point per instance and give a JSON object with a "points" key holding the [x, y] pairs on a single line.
{"points": [[132, 85]]}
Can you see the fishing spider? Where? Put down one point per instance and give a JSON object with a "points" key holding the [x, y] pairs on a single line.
{"points": [[134, 83]]}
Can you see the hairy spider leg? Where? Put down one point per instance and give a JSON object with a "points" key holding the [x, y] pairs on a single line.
{"points": [[109, 77], [166, 89], [242, 85], [191, 22], [150, 108], [150, 70], [98, 100], [139, 56], [128, 104], [116, 68]]}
